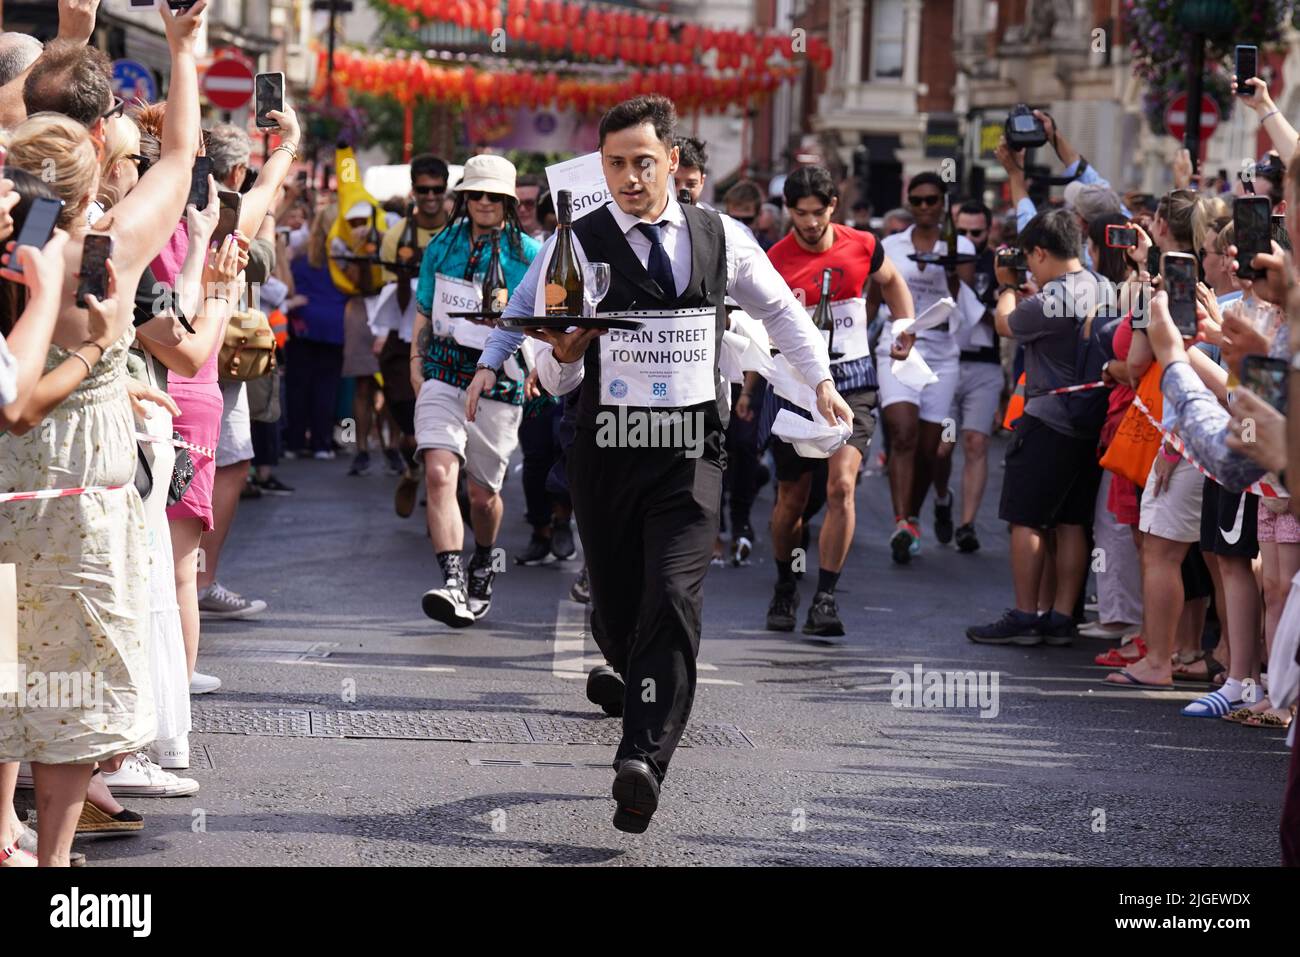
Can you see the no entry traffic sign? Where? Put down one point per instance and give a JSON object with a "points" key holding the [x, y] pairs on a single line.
{"points": [[228, 84]]}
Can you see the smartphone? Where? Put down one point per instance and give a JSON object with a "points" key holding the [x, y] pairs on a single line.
{"points": [[1153, 260], [96, 249], [38, 227], [1247, 57], [199, 182], [270, 96], [1121, 237], [1266, 377], [1179, 273], [228, 220], [1253, 232]]}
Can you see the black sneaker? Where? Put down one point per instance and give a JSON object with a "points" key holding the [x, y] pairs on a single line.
{"points": [[562, 546], [967, 540], [480, 575], [1056, 629], [273, 486], [538, 552], [581, 590], [824, 618], [393, 459], [360, 464], [900, 544], [1015, 627], [781, 612], [943, 521], [449, 605]]}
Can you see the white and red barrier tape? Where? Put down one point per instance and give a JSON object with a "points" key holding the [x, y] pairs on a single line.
{"points": [[55, 493], [69, 492], [1077, 388], [178, 443], [1262, 489]]}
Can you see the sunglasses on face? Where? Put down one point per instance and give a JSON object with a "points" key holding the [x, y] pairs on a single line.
{"points": [[930, 200], [478, 195], [747, 220], [142, 162], [972, 233], [527, 204], [117, 109], [430, 190]]}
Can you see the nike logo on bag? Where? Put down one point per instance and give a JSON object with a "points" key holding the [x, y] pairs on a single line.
{"points": [[1234, 536]]}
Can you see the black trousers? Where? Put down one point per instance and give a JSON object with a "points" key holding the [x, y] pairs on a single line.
{"points": [[648, 519], [742, 464], [311, 374], [539, 439]]}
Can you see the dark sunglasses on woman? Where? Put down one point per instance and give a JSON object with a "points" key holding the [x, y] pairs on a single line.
{"points": [[478, 195], [142, 162]]}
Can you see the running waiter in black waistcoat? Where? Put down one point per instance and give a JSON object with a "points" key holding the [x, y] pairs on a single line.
{"points": [[645, 469]]}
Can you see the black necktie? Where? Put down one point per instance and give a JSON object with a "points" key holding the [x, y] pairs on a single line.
{"points": [[658, 266]]}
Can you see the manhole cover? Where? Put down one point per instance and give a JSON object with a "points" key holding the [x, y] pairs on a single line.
{"points": [[550, 730], [421, 725], [265, 721], [469, 726], [267, 650]]}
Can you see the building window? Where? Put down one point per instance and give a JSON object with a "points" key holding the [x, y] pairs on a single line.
{"points": [[887, 40]]}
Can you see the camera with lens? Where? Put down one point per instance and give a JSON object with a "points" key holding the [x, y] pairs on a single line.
{"points": [[1023, 129]]}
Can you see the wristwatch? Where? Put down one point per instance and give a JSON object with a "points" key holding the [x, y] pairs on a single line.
{"points": [[482, 365]]}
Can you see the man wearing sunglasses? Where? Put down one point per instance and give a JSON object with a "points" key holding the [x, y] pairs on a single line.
{"points": [[529, 190], [914, 417], [980, 382], [428, 188], [443, 360]]}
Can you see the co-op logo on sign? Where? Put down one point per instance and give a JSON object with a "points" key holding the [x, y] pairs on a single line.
{"points": [[618, 389]]}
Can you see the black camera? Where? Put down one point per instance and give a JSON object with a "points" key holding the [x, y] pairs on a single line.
{"points": [[1023, 129], [1012, 257]]}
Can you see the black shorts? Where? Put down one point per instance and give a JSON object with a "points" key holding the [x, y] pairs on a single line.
{"points": [[1051, 478], [1228, 522], [791, 466]]}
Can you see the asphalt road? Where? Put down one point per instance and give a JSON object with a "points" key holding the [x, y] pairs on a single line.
{"points": [[323, 746]]}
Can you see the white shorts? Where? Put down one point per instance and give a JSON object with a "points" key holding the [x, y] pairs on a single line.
{"points": [[236, 443], [979, 390], [935, 400], [483, 446], [1175, 513]]}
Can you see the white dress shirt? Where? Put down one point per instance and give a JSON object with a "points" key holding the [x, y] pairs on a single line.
{"points": [[752, 281]]}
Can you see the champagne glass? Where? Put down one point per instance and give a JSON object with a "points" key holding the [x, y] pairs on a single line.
{"points": [[595, 286]]}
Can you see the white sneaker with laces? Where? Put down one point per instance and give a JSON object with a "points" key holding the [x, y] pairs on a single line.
{"points": [[218, 601], [171, 753], [449, 605], [204, 684], [140, 777]]}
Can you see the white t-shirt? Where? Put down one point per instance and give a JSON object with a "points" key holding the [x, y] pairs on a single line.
{"points": [[928, 286]]}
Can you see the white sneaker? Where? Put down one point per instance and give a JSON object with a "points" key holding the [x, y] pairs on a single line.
{"points": [[171, 753], [1095, 629], [218, 601], [140, 777], [204, 684], [449, 605]]}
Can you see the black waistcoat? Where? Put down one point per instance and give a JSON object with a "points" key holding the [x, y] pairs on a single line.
{"points": [[631, 288]]}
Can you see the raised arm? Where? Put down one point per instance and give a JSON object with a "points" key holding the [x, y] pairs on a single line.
{"points": [[257, 201], [146, 217], [29, 341], [1282, 133], [220, 291]]}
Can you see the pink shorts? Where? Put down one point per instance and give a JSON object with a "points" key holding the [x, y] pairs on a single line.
{"points": [[1282, 528], [200, 423]]}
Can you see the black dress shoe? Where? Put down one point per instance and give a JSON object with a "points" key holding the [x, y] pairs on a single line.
{"points": [[636, 789], [605, 689]]}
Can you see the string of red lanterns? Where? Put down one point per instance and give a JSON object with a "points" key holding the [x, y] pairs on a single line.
{"points": [[411, 80], [608, 33]]}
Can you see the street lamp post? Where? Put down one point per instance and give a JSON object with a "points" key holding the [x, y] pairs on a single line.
{"points": [[1203, 19]]}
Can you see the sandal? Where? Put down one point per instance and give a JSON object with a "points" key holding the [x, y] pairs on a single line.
{"points": [[94, 820], [1213, 705], [1113, 659], [1125, 677], [1213, 668], [15, 856], [1239, 715], [1267, 719]]}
